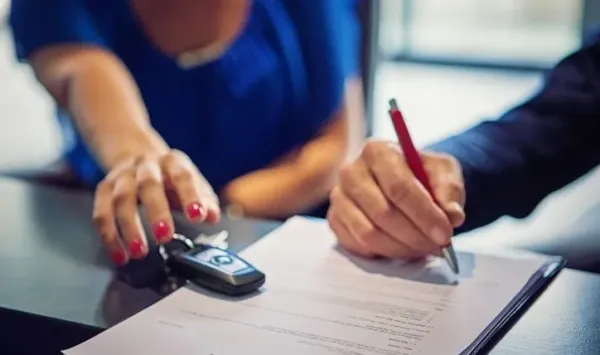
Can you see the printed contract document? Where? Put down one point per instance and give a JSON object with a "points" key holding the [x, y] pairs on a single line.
{"points": [[319, 300]]}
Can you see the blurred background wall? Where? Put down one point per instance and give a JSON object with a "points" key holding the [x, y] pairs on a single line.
{"points": [[29, 136]]}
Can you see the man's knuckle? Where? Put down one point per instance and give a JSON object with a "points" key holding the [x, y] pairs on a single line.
{"points": [[346, 174], [334, 222], [334, 195], [455, 186], [372, 148], [368, 234], [381, 213], [329, 216], [437, 156], [399, 190], [448, 161]]}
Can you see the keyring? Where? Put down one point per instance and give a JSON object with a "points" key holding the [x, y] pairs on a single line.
{"points": [[186, 242]]}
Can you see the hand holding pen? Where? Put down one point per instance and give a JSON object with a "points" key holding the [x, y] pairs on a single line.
{"points": [[415, 163], [382, 208]]}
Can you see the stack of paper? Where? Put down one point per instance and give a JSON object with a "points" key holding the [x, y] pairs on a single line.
{"points": [[320, 300]]}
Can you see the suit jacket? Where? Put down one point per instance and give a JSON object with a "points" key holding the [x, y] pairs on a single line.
{"points": [[551, 139]]}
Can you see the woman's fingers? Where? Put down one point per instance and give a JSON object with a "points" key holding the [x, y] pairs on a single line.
{"points": [[124, 197], [151, 181], [193, 192], [152, 195], [181, 178], [104, 222]]}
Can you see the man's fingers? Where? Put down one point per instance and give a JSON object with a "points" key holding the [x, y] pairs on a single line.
{"points": [[360, 186], [369, 236], [401, 187], [345, 239], [104, 222], [450, 193], [124, 199], [152, 196]]}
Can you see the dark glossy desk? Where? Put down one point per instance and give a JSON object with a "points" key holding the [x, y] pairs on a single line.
{"points": [[57, 287]]}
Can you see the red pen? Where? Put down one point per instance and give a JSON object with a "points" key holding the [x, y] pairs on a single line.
{"points": [[413, 159]]}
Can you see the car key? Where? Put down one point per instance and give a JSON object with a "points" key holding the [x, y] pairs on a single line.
{"points": [[212, 268]]}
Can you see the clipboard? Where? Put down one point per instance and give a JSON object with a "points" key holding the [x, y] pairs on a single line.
{"points": [[519, 304]]}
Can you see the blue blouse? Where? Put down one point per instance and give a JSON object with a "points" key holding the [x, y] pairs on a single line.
{"points": [[272, 90]]}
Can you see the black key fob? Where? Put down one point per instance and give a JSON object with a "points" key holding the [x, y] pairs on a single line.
{"points": [[215, 269]]}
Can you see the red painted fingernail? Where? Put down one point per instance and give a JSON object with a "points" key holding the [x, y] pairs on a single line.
{"points": [[161, 230], [118, 257], [196, 211], [136, 247]]}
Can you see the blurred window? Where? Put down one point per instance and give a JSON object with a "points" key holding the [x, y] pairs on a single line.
{"points": [[529, 33]]}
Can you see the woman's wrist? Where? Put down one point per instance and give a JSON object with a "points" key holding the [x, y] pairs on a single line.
{"points": [[145, 144]]}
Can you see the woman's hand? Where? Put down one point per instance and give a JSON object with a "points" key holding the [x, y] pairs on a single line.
{"points": [[380, 209], [159, 182]]}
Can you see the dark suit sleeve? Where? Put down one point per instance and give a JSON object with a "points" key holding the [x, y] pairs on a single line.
{"points": [[538, 147]]}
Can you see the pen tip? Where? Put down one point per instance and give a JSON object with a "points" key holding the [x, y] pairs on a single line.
{"points": [[450, 256], [455, 269], [393, 104]]}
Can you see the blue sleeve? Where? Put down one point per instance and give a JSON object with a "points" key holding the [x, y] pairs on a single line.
{"points": [[329, 34], [36, 24], [538, 147]]}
